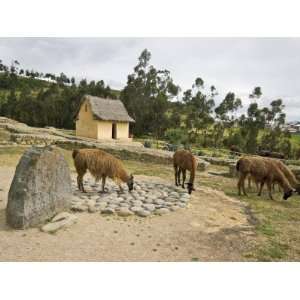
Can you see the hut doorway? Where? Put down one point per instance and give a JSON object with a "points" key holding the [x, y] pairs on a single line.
{"points": [[114, 131]]}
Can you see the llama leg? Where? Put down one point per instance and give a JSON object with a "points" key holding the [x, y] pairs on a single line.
{"points": [[175, 172], [269, 185], [240, 184], [243, 187], [103, 183], [261, 187], [249, 182], [256, 184], [183, 177], [178, 176], [80, 182]]}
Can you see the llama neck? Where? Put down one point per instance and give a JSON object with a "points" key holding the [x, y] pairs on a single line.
{"points": [[193, 172], [284, 182], [124, 176]]}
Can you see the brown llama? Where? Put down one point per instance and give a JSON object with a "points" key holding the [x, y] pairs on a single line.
{"points": [[184, 160], [101, 165], [263, 171]]}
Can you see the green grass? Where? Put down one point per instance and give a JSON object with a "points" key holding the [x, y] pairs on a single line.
{"points": [[4, 135], [295, 140]]}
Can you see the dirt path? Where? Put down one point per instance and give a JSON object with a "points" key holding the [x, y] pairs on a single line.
{"points": [[213, 228]]}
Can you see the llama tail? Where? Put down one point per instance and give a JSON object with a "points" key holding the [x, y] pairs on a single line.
{"points": [[74, 153]]}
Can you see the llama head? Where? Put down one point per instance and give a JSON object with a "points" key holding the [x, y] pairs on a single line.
{"points": [[190, 187], [288, 194], [130, 183]]}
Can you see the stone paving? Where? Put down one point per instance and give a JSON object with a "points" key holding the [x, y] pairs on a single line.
{"points": [[146, 199]]}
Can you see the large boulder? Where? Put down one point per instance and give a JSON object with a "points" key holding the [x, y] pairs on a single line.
{"points": [[40, 189]]}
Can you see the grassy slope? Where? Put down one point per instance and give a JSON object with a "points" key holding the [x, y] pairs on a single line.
{"points": [[277, 221]]}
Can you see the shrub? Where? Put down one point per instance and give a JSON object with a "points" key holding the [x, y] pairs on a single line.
{"points": [[176, 136], [147, 144], [201, 153]]}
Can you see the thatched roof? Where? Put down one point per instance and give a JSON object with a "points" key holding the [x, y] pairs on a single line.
{"points": [[107, 109]]}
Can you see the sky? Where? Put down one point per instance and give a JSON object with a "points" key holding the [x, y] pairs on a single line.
{"points": [[230, 64]]}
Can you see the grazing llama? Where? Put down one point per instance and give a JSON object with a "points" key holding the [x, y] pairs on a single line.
{"points": [[184, 160], [262, 171], [101, 165]]}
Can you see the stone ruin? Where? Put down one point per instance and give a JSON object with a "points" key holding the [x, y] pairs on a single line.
{"points": [[40, 189], [42, 194], [147, 198]]}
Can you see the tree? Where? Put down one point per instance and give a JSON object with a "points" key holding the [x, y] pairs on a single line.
{"points": [[199, 108], [256, 93], [225, 115], [146, 96]]}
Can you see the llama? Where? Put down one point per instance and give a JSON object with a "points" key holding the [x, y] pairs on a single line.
{"points": [[101, 165], [263, 171], [184, 160]]}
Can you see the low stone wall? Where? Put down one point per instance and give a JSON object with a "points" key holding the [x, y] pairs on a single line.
{"points": [[33, 139], [296, 171], [219, 161], [130, 153], [123, 151]]}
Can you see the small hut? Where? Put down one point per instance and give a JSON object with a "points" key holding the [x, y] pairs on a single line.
{"points": [[100, 118]]}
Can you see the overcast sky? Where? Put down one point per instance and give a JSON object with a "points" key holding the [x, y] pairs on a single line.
{"points": [[230, 64]]}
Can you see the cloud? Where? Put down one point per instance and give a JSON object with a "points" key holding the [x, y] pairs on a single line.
{"points": [[231, 64]]}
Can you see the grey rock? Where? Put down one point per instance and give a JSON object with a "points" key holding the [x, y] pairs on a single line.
{"points": [[136, 208], [101, 205], [137, 203], [159, 201], [40, 189], [61, 216], [108, 211], [93, 208], [148, 200], [150, 207], [161, 211], [124, 212], [59, 222], [143, 213], [79, 207], [174, 207]]}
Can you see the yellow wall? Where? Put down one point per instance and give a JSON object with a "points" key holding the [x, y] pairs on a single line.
{"points": [[86, 126], [122, 130], [104, 129]]}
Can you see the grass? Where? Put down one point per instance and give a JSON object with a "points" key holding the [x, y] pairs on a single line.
{"points": [[295, 140], [277, 221], [4, 135]]}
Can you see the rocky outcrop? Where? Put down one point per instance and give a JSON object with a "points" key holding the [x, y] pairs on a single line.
{"points": [[41, 188]]}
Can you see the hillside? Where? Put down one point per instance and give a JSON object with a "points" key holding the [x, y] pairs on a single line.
{"points": [[42, 103]]}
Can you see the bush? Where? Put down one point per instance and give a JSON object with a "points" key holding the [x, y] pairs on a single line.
{"points": [[147, 144], [201, 153], [176, 136], [171, 147]]}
